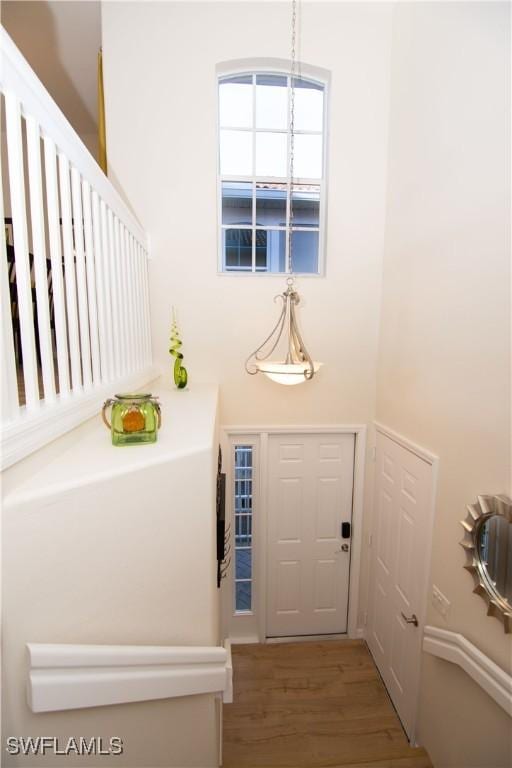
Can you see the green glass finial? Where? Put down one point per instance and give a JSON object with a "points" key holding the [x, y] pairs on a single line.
{"points": [[180, 372]]}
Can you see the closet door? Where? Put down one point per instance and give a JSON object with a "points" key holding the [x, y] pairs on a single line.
{"points": [[400, 535]]}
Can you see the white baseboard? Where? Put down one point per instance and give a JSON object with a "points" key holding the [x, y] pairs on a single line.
{"points": [[454, 647], [305, 638], [244, 640]]}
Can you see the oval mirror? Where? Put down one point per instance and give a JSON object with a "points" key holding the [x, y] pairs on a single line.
{"points": [[495, 555], [488, 545]]}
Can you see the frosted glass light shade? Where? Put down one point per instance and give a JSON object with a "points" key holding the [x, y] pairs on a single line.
{"points": [[286, 373]]}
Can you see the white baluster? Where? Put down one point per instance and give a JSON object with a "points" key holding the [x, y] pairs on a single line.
{"points": [[114, 292], [104, 290], [81, 278], [90, 263], [138, 303], [146, 308], [142, 305], [40, 265], [130, 304], [69, 273], [10, 403], [59, 309], [121, 307], [19, 225], [121, 276]]}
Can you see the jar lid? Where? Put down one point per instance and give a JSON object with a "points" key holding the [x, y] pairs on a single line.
{"points": [[134, 396]]}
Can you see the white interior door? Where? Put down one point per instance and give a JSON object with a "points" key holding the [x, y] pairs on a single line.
{"points": [[400, 534], [310, 481]]}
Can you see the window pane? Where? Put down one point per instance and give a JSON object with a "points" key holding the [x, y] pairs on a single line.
{"points": [[243, 564], [235, 102], [236, 203], [261, 251], [236, 153], [305, 251], [271, 204], [243, 596], [306, 205], [237, 248], [308, 157], [309, 106], [274, 251], [271, 101], [271, 154]]}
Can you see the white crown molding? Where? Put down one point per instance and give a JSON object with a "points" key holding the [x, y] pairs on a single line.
{"points": [[62, 677], [455, 648]]}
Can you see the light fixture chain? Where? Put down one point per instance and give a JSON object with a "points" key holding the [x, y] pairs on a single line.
{"points": [[292, 129]]}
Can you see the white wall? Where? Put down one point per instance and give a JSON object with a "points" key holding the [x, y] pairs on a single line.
{"points": [[60, 41], [444, 362], [161, 128]]}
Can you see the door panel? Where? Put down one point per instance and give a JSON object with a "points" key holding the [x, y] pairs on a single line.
{"points": [[401, 528], [309, 496]]}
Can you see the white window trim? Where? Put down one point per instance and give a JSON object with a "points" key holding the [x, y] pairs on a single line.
{"points": [[276, 66]]}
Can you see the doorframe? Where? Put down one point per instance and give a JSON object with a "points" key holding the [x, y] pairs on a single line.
{"points": [[261, 433], [433, 460]]}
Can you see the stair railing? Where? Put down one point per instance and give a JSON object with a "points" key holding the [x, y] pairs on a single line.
{"points": [[75, 324]]}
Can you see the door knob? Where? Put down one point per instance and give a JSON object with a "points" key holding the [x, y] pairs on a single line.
{"points": [[410, 620], [344, 548]]}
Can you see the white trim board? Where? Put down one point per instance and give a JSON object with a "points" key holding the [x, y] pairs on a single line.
{"points": [[62, 677], [457, 649], [422, 453], [261, 432]]}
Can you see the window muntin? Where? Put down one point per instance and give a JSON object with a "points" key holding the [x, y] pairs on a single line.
{"points": [[254, 164], [243, 504]]}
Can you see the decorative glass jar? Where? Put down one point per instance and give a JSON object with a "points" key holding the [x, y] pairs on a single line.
{"points": [[135, 418]]}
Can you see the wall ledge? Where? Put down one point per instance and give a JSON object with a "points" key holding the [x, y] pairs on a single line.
{"points": [[455, 648], [64, 677]]}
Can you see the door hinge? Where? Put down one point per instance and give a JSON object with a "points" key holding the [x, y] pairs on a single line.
{"points": [[370, 538]]}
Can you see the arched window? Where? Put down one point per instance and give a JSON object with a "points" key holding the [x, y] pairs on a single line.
{"points": [[256, 208]]}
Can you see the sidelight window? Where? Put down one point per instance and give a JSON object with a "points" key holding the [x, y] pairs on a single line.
{"points": [[243, 506]]}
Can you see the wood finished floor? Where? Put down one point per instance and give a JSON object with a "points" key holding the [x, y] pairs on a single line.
{"points": [[302, 705]]}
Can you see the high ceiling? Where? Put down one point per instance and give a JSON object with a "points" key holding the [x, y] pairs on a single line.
{"points": [[60, 40]]}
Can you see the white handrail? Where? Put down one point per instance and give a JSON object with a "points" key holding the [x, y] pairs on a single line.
{"points": [[75, 305], [62, 676], [454, 647], [17, 76]]}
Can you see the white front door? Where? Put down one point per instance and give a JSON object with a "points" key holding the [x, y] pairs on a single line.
{"points": [[310, 481], [400, 534]]}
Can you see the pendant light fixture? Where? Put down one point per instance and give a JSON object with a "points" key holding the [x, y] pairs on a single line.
{"points": [[296, 365]]}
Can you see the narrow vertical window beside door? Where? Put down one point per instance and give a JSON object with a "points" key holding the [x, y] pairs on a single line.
{"points": [[243, 496]]}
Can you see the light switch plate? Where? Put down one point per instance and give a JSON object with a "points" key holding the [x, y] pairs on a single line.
{"points": [[440, 602]]}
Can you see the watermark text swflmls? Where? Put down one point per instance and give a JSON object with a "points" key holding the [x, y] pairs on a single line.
{"points": [[79, 745]]}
